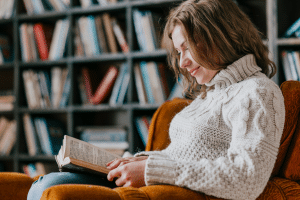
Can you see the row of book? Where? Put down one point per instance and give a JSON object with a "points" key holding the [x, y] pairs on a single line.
{"points": [[98, 34], [47, 89], [43, 41], [40, 6], [8, 135], [151, 80], [6, 9], [39, 168], [291, 64], [43, 135], [7, 99]]}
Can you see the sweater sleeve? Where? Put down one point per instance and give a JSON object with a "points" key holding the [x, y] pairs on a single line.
{"points": [[257, 122]]}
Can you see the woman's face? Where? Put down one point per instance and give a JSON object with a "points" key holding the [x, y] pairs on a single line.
{"points": [[202, 74]]}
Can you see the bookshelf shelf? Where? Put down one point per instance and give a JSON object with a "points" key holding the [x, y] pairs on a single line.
{"points": [[272, 17]]}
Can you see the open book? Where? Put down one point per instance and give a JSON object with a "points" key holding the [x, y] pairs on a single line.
{"points": [[79, 156]]}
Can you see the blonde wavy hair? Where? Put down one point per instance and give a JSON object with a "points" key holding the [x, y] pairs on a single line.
{"points": [[214, 29]]}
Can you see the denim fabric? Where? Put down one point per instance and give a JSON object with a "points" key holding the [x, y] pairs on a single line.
{"points": [[58, 178]]}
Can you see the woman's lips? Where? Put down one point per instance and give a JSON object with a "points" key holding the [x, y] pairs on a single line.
{"points": [[193, 72]]}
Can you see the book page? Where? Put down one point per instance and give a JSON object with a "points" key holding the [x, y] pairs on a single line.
{"points": [[84, 151]]}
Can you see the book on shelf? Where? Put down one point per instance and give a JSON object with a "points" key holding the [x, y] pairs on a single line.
{"points": [[142, 125], [3, 125], [43, 35], [7, 9], [147, 83], [60, 86], [140, 87], [102, 133], [5, 49], [44, 83], [7, 101], [32, 139], [120, 87], [146, 29], [59, 40], [80, 156], [108, 27], [32, 45], [177, 90], [8, 138], [50, 133], [78, 44], [40, 6], [101, 33], [86, 3], [289, 66], [119, 34], [292, 29], [104, 87], [39, 168]]}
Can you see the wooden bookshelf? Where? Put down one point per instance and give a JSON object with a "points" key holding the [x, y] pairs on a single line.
{"points": [[272, 18]]}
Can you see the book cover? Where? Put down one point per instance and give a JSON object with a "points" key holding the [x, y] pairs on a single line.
{"points": [[120, 35], [101, 34], [85, 36], [117, 86], [102, 133], [43, 35], [141, 93], [31, 136], [147, 82], [292, 29], [112, 44], [105, 85]]}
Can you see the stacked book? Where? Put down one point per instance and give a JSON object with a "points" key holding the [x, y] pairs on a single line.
{"points": [[291, 64], [7, 99], [6, 9], [6, 54]]}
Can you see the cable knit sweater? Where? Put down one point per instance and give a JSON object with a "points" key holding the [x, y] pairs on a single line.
{"points": [[226, 144]]}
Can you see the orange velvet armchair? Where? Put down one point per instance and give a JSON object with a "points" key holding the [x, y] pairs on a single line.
{"points": [[284, 183]]}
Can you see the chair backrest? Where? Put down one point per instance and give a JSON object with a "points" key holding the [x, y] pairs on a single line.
{"points": [[288, 160]]}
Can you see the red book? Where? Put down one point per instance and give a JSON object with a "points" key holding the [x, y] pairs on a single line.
{"points": [[87, 83], [43, 35], [104, 87]]}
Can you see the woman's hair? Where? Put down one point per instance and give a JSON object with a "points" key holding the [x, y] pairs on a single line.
{"points": [[214, 29]]}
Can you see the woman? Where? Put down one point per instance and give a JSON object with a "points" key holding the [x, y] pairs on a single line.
{"points": [[226, 141]]}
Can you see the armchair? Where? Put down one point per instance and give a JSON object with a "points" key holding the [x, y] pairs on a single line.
{"points": [[283, 184]]}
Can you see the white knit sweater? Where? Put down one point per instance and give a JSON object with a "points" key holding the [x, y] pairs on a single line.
{"points": [[226, 144]]}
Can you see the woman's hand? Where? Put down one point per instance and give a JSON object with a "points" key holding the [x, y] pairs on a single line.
{"points": [[122, 161], [128, 172]]}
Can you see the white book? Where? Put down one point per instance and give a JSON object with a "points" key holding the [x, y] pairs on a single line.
{"points": [[56, 81], [141, 93], [55, 39], [150, 43]]}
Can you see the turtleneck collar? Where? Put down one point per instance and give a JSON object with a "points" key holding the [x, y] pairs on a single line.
{"points": [[234, 73]]}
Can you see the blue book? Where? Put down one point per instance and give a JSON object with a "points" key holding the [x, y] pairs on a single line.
{"points": [[62, 41], [140, 34], [66, 91], [147, 84], [292, 29], [43, 136], [55, 131], [142, 124], [117, 86], [93, 35], [123, 89]]}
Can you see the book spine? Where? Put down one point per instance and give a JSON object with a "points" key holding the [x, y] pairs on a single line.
{"points": [[62, 39], [292, 65], [147, 32], [120, 36], [146, 80], [124, 88], [103, 136], [109, 33], [92, 31], [66, 92], [117, 86], [105, 85], [139, 29], [87, 83], [291, 30], [41, 41]]}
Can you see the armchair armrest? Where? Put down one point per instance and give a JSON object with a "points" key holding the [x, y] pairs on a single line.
{"points": [[14, 186]]}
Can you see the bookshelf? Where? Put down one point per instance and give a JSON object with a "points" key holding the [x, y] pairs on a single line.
{"points": [[272, 18]]}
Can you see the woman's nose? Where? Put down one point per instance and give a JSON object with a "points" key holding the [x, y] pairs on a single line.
{"points": [[184, 61]]}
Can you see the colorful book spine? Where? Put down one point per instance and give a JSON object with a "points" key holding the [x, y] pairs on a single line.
{"points": [[147, 83], [292, 29]]}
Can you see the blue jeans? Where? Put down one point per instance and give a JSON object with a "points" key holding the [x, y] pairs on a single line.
{"points": [[58, 178]]}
